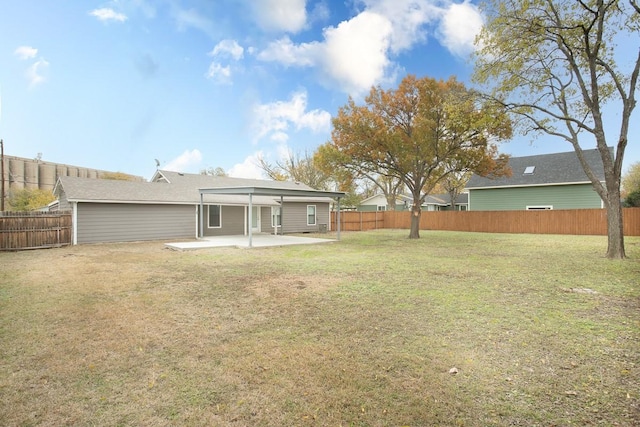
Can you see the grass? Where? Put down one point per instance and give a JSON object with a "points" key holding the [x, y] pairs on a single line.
{"points": [[542, 330]]}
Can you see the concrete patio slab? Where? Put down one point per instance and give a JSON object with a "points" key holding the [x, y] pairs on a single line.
{"points": [[258, 241]]}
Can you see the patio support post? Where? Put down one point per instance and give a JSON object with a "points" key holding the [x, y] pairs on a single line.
{"points": [[338, 220], [201, 217], [250, 220], [281, 217]]}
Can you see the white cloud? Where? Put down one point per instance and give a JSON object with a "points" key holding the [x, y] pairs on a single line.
{"points": [[287, 53], [276, 119], [190, 18], [36, 73], [459, 26], [149, 10], [355, 53], [320, 12], [358, 53], [26, 52], [228, 48], [106, 14], [218, 73], [185, 162], [280, 15], [408, 19], [248, 168]]}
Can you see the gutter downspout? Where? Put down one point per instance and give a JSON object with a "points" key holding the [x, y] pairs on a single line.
{"points": [[338, 220]]}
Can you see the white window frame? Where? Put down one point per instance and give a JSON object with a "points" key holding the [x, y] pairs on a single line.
{"points": [[209, 216], [540, 208], [315, 215], [276, 217], [382, 208]]}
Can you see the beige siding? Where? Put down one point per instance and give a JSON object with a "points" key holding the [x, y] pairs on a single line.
{"points": [[120, 222], [294, 219], [64, 204], [232, 222], [265, 220]]}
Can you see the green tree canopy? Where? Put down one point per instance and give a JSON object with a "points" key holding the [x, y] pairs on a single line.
{"points": [[419, 133], [631, 179], [29, 199]]}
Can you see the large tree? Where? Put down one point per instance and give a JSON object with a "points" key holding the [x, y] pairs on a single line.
{"points": [[333, 161], [299, 168], [29, 199], [557, 65], [455, 183], [419, 133]]}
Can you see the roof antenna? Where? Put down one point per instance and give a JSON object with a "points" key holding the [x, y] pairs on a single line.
{"points": [[157, 163]]}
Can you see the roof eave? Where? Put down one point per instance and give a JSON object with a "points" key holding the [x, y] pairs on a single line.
{"points": [[528, 185]]}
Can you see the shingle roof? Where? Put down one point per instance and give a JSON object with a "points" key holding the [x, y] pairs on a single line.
{"points": [[557, 168], [177, 188]]}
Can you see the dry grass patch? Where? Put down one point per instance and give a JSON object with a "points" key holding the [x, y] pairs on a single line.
{"points": [[362, 333]]}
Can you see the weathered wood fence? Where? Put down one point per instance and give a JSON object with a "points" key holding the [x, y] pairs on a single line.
{"points": [[573, 221], [34, 230]]}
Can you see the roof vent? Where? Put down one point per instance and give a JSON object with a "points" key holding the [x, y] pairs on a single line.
{"points": [[529, 170]]}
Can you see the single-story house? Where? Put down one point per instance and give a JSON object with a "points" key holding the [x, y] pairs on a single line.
{"points": [[546, 181], [177, 205], [436, 202]]}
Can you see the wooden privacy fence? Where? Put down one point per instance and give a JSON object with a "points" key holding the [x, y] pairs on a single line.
{"points": [[34, 230], [573, 221]]}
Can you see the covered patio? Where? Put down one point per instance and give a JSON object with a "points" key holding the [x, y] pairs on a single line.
{"points": [[266, 191]]}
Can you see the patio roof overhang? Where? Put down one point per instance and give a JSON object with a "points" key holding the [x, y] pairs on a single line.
{"points": [[267, 191], [271, 191]]}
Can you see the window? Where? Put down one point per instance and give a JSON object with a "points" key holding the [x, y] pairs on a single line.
{"points": [[311, 214], [539, 208], [215, 216], [529, 170], [382, 208], [276, 218]]}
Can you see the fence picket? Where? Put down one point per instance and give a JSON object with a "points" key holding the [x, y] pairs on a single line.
{"points": [[569, 221], [34, 230]]}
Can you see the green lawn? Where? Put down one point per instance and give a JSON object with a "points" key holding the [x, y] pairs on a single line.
{"points": [[542, 330]]}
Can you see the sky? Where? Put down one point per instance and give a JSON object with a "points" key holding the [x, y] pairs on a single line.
{"points": [[194, 84]]}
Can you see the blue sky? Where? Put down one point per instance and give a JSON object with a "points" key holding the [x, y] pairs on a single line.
{"points": [[115, 84]]}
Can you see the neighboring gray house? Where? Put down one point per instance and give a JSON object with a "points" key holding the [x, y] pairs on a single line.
{"points": [[546, 181], [168, 207], [436, 202]]}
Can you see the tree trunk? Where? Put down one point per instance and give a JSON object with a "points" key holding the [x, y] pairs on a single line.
{"points": [[414, 233], [615, 226]]}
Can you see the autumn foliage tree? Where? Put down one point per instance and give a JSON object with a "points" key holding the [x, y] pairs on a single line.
{"points": [[29, 199], [559, 67], [118, 176], [334, 162], [419, 133], [299, 168], [631, 179]]}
